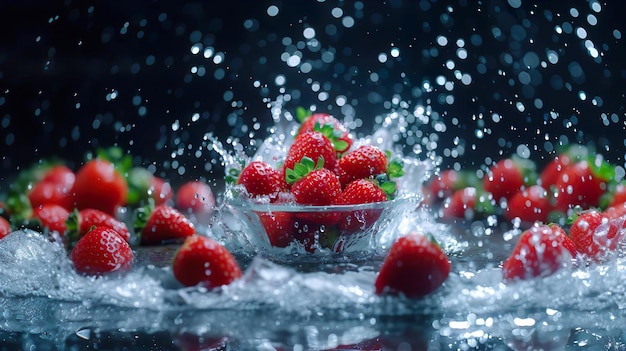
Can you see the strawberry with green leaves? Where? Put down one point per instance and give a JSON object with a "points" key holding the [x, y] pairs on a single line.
{"points": [[529, 205], [583, 184], [162, 224], [261, 179], [541, 251], [313, 145], [99, 185], [468, 203], [508, 176], [594, 234], [81, 222], [52, 217], [203, 261], [313, 122], [444, 184], [101, 251], [367, 161], [144, 185], [312, 184], [415, 267]]}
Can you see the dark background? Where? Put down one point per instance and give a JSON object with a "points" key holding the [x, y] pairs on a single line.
{"points": [[60, 61]]}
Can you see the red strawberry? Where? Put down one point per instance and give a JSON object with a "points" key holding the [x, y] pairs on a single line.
{"points": [[594, 234], [5, 227], [261, 179], [582, 185], [160, 191], [203, 261], [551, 172], [163, 224], [616, 211], [313, 145], [507, 177], [99, 185], [195, 197], [80, 222], [529, 205], [541, 251], [414, 267], [364, 162], [449, 181], [314, 185], [53, 217], [102, 250], [55, 187], [360, 191], [467, 203], [615, 196], [279, 227], [322, 119]]}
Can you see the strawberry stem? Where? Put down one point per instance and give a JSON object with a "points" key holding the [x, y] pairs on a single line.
{"points": [[302, 168], [334, 135]]}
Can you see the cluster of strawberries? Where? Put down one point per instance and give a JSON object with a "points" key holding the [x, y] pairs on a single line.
{"points": [[80, 209]]}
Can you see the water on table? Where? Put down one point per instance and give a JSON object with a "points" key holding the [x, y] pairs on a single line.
{"points": [[474, 82]]}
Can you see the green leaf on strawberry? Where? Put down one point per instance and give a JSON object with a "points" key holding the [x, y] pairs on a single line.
{"points": [[302, 114], [334, 135], [601, 169], [302, 168]]}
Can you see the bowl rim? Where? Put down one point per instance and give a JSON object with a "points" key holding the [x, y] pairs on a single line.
{"points": [[291, 207]]}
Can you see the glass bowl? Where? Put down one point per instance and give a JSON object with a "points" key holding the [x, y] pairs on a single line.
{"points": [[319, 230]]}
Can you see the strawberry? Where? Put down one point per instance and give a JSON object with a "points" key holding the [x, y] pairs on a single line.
{"points": [[203, 261], [364, 162], [195, 197], [317, 120], [414, 267], [467, 203], [615, 211], [508, 176], [101, 251], [5, 227], [162, 224], [448, 181], [616, 195], [279, 227], [80, 222], [529, 205], [142, 185], [551, 172], [53, 217], [99, 185], [594, 234], [360, 191], [541, 250], [261, 179], [312, 184], [55, 187], [313, 145], [582, 184]]}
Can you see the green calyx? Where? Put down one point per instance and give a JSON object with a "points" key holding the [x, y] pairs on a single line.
{"points": [[302, 114], [73, 227], [334, 135], [139, 181], [302, 168], [142, 215], [233, 173], [600, 168], [389, 187], [122, 161]]}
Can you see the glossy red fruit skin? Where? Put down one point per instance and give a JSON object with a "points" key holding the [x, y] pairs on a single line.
{"points": [[203, 261], [578, 186], [5, 227], [529, 205], [89, 217], [102, 251], [615, 211], [279, 227], [98, 185], [364, 162], [461, 204], [195, 197], [261, 179], [53, 217], [320, 187], [166, 225], [594, 234], [361, 191], [322, 119], [541, 251], [503, 179], [443, 186], [54, 188], [315, 146], [550, 173], [415, 267], [160, 191]]}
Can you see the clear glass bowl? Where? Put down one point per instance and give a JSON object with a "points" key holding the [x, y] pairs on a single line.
{"points": [[320, 230]]}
